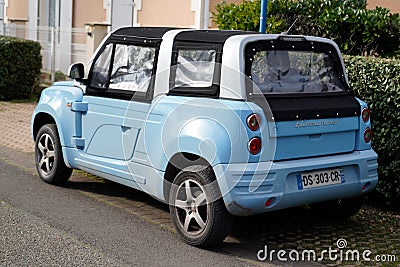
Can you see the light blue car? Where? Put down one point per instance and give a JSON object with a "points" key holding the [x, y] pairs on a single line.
{"points": [[214, 123]]}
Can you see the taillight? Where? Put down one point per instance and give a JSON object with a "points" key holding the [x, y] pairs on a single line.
{"points": [[367, 135], [253, 122], [254, 145], [365, 114]]}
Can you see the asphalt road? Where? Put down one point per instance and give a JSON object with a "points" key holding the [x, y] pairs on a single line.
{"points": [[46, 225]]}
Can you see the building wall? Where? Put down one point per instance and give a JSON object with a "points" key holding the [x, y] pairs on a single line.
{"points": [[175, 13], [393, 5], [17, 10], [87, 11]]}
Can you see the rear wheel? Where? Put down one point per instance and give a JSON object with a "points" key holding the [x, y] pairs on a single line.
{"points": [[338, 209], [49, 159], [196, 207]]}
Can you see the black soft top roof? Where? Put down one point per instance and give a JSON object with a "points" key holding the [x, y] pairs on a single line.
{"points": [[208, 36], [142, 32]]}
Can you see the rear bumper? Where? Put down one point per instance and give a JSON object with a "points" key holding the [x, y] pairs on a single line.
{"points": [[247, 186]]}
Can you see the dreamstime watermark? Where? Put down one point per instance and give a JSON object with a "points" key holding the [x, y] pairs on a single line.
{"points": [[338, 253]]}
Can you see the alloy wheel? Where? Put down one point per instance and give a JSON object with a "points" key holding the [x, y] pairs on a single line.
{"points": [[46, 155], [191, 207]]}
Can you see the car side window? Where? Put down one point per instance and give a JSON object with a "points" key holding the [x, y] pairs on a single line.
{"points": [[101, 67], [195, 68], [132, 68]]}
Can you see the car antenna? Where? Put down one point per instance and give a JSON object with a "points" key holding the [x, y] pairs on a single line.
{"points": [[291, 26]]}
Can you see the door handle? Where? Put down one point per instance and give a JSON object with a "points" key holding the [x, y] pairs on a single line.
{"points": [[315, 136]]}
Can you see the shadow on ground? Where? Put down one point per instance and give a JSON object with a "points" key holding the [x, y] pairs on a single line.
{"points": [[292, 229]]}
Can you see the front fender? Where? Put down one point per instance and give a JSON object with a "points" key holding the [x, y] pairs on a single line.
{"points": [[54, 101]]}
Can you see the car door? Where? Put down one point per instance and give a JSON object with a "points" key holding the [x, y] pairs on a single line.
{"points": [[118, 96]]}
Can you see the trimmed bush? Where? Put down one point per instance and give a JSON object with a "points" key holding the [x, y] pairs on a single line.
{"points": [[377, 81], [20, 67]]}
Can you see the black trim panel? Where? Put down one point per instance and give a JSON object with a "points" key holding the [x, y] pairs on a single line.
{"points": [[307, 107]]}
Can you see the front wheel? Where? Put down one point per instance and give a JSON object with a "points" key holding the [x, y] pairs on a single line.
{"points": [[196, 207], [339, 209], [49, 158]]}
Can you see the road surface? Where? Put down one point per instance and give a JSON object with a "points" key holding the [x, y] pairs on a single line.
{"points": [[47, 225]]}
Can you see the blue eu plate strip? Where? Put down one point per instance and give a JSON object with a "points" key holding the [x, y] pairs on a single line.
{"points": [[299, 182]]}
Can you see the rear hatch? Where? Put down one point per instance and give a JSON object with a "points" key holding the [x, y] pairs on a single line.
{"points": [[303, 82], [327, 125]]}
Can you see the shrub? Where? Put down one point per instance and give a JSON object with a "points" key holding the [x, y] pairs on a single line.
{"points": [[20, 67], [377, 81], [244, 16], [58, 76], [356, 29]]}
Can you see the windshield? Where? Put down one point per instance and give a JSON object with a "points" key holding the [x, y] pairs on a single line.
{"points": [[285, 71]]}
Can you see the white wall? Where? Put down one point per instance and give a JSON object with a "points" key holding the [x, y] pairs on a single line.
{"points": [[2, 15]]}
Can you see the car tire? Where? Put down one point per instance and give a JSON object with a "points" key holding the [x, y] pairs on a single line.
{"points": [[48, 156], [197, 209], [339, 209]]}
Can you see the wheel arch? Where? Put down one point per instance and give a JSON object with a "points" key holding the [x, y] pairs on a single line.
{"points": [[41, 119], [204, 138], [178, 162]]}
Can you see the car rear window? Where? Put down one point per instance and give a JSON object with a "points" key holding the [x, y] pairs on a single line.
{"points": [[288, 71]]}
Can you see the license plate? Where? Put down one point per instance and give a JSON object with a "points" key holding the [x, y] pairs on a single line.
{"points": [[307, 180]]}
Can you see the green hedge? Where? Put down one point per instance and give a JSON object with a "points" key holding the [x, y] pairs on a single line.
{"points": [[377, 81], [20, 67], [356, 29]]}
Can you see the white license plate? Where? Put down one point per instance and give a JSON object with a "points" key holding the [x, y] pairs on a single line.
{"points": [[307, 180]]}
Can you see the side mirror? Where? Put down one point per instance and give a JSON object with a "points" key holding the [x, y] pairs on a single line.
{"points": [[77, 71]]}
